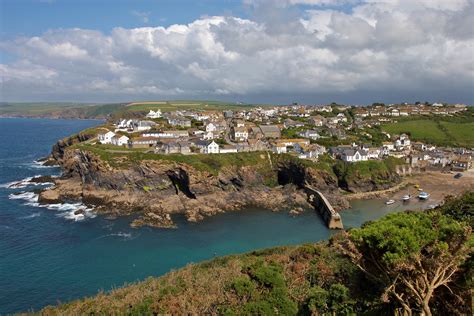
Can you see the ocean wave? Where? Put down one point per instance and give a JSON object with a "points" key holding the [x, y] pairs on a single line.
{"points": [[31, 216], [70, 211], [21, 184], [125, 236], [39, 165], [30, 197], [65, 210]]}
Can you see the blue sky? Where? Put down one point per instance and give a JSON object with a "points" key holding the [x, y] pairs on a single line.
{"points": [[276, 51], [33, 17]]}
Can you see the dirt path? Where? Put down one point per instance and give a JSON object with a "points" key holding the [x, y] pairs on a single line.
{"points": [[437, 184]]}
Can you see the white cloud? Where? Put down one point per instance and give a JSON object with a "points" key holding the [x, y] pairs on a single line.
{"points": [[380, 46]]}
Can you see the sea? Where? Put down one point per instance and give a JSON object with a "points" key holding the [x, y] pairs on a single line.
{"points": [[48, 255]]}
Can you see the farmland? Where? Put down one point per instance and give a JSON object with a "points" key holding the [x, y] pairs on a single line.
{"points": [[442, 133], [185, 105]]}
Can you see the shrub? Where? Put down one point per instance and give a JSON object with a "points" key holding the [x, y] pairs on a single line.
{"points": [[243, 287]]}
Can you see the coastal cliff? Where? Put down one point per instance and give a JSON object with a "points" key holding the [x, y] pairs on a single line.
{"points": [[153, 187]]}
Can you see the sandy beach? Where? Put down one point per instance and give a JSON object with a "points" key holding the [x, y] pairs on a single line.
{"points": [[437, 184]]}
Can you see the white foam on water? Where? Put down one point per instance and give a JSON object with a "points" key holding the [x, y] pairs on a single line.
{"points": [[65, 210], [21, 184], [125, 236], [16, 184], [68, 210], [40, 165], [31, 216], [31, 197]]}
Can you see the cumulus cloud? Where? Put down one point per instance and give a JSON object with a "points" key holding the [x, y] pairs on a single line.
{"points": [[380, 47]]}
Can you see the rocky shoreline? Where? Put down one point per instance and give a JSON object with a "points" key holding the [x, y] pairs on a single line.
{"points": [[154, 190], [157, 189], [156, 207]]}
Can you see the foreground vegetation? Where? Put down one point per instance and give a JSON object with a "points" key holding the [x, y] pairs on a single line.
{"points": [[410, 262]]}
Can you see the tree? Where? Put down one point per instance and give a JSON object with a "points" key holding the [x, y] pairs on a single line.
{"points": [[410, 254]]}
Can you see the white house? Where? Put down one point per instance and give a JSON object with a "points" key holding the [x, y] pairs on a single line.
{"points": [[374, 153], [119, 140], [226, 149], [311, 134], [154, 114], [210, 135], [353, 155], [106, 138], [211, 148], [145, 125], [211, 127], [240, 134], [279, 148], [341, 117], [403, 142]]}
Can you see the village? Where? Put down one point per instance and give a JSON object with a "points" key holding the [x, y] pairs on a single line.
{"points": [[301, 130]]}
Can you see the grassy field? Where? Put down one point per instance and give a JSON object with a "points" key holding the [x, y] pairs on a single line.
{"points": [[36, 108], [463, 133], [185, 105], [60, 110], [86, 110], [435, 132]]}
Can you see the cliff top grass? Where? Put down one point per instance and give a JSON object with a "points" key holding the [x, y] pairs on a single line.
{"points": [[122, 157]]}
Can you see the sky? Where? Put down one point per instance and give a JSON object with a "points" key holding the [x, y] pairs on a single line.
{"points": [[255, 51]]}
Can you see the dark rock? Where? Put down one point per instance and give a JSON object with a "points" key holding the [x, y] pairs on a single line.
{"points": [[42, 179], [79, 212]]}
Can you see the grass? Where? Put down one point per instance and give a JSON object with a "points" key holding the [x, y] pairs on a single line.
{"points": [[36, 108], [437, 132], [462, 133], [86, 110], [174, 105], [419, 130], [123, 157], [60, 109]]}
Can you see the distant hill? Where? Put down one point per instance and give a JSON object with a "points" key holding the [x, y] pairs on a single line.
{"points": [[103, 111]]}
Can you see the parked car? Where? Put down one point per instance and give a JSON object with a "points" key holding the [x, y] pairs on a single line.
{"points": [[457, 175]]}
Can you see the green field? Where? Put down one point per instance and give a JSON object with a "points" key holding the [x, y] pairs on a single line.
{"points": [[463, 133], [59, 109], [36, 108], [87, 110], [185, 105], [435, 132]]}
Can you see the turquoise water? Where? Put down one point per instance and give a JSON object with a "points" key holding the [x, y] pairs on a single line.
{"points": [[47, 257]]}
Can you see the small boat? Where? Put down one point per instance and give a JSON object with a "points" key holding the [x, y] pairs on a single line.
{"points": [[406, 197], [389, 202], [423, 196]]}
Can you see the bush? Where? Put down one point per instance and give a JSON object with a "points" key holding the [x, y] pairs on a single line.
{"points": [[317, 301], [243, 287]]}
